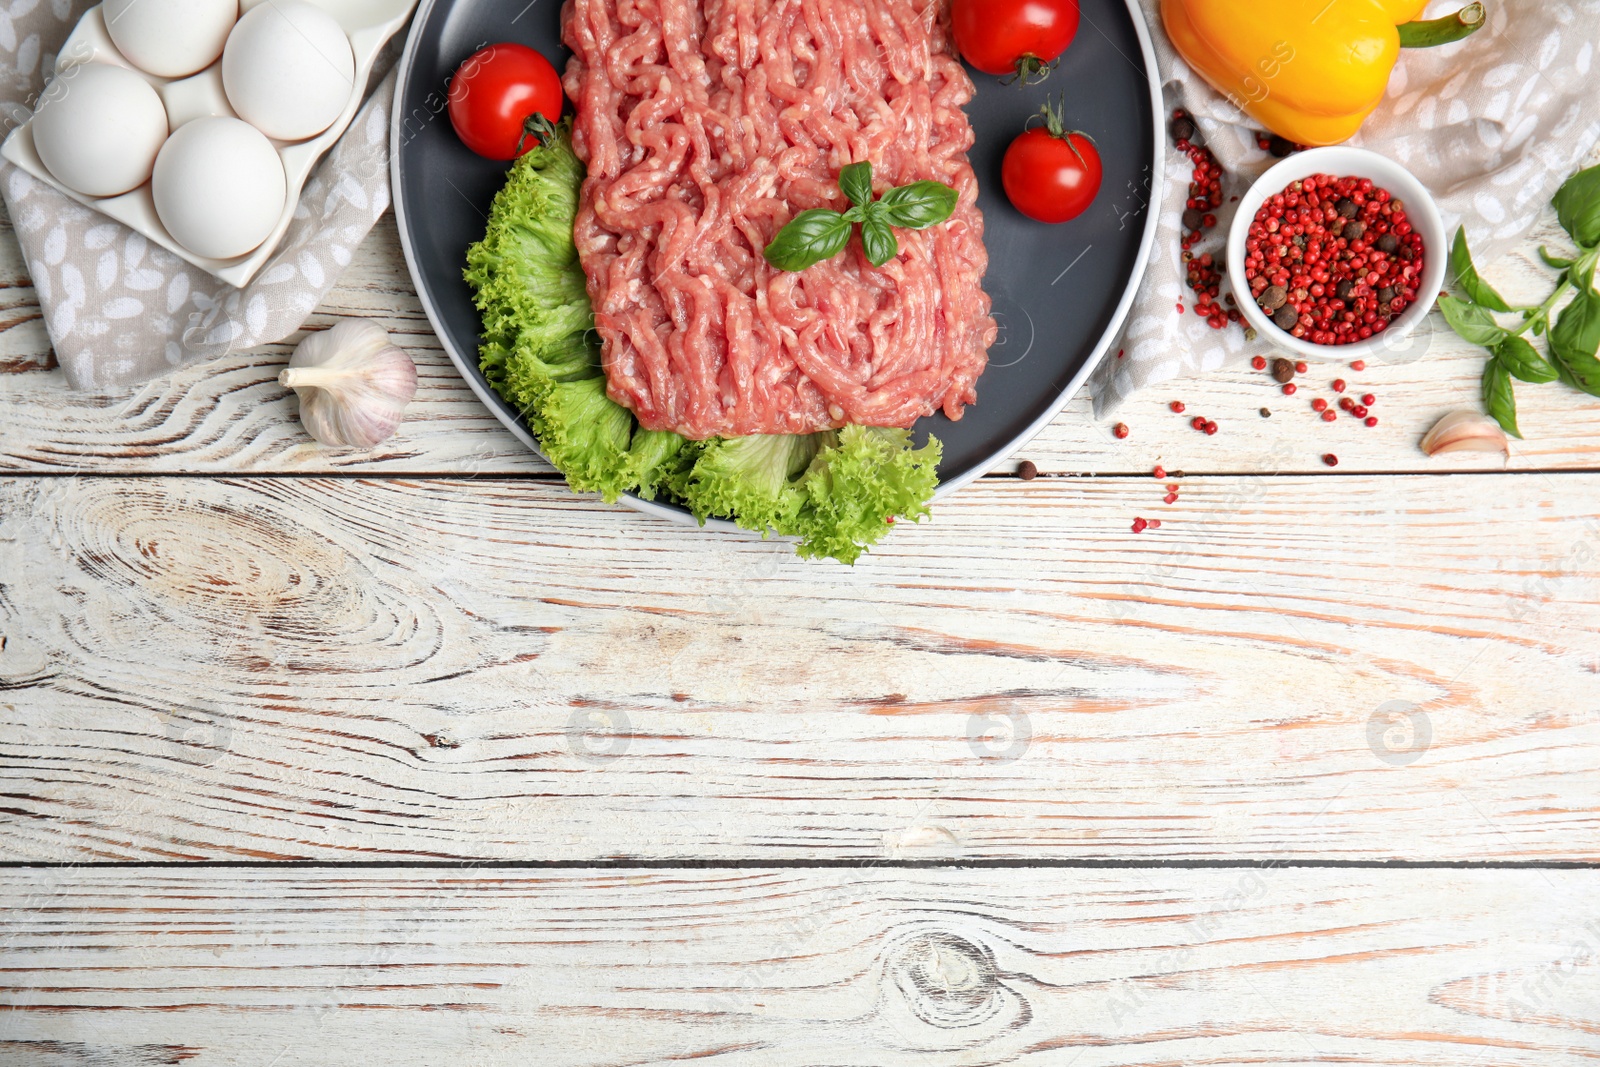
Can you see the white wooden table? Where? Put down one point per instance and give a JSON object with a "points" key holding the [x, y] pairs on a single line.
{"points": [[411, 757]]}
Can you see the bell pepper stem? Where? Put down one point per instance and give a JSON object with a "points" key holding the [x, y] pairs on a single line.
{"points": [[1429, 33]]}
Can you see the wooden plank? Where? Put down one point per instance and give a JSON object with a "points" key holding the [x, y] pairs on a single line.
{"points": [[273, 968], [1352, 667], [231, 415]]}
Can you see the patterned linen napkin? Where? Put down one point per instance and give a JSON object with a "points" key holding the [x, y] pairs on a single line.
{"points": [[121, 310], [1492, 126]]}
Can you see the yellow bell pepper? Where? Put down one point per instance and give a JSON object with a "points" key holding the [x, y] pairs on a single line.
{"points": [[1310, 71]]}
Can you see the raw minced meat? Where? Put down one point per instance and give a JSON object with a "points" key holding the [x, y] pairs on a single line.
{"points": [[705, 128]]}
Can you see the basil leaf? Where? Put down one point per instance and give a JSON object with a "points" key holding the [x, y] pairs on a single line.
{"points": [[1471, 322], [1575, 339], [918, 205], [1466, 275], [810, 237], [1498, 399], [1578, 206], [856, 182], [878, 241], [1553, 261], [1523, 360]]}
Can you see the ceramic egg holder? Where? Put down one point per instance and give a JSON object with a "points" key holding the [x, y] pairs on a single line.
{"points": [[369, 25]]}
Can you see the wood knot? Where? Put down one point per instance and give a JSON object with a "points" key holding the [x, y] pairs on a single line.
{"points": [[946, 980]]}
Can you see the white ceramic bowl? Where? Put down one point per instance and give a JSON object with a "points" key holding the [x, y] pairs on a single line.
{"points": [[1342, 162]]}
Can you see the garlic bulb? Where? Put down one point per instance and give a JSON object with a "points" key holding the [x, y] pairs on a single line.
{"points": [[1465, 430], [352, 383]]}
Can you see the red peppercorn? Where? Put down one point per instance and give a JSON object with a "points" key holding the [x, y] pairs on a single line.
{"points": [[1330, 459], [1345, 403], [1359, 364], [1172, 487], [1300, 367], [1170, 498], [1176, 406], [1211, 428], [1139, 525], [1329, 416], [1359, 411], [1259, 362], [1372, 420], [1338, 385], [1120, 430], [1289, 388], [1160, 472], [1198, 422], [1319, 404], [1369, 400], [1155, 524]]}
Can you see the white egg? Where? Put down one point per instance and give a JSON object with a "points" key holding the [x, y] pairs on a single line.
{"points": [[170, 38], [219, 187], [98, 128], [288, 69]]}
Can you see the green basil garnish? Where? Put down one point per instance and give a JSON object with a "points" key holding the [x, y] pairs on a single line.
{"points": [[918, 205], [819, 234], [810, 237]]}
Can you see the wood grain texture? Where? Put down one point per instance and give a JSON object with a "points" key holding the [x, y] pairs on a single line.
{"points": [[231, 415], [1349, 667], [861, 967]]}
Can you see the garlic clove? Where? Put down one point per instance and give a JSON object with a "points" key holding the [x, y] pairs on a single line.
{"points": [[1465, 430], [352, 383]]}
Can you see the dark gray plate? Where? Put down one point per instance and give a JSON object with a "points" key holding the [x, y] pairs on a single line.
{"points": [[1061, 293]]}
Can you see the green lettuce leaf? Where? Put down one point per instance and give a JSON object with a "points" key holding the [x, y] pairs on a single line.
{"points": [[866, 477], [752, 480]]}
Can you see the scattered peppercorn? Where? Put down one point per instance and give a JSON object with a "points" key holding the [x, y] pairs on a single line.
{"points": [[1372, 420], [1338, 385], [1203, 273], [1211, 428], [1155, 524], [1120, 430], [1300, 367], [1282, 370], [1172, 487], [1368, 399], [1198, 422], [1330, 459], [1170, 498], [1176, 406], [1160, 472], [1329, 416], [1139, 525], [1258, 362], [1359, 411], [1289, 388], [1359, 364], [1265, 413], [1027, 470], [1319, 404]]}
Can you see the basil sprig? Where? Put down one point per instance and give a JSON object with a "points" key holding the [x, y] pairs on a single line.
{"points": [[1573, 334], [819, 234]]}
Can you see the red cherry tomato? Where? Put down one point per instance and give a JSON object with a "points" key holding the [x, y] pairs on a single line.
{"points": [[1019, 37], [495, 94], [1049, 174]]}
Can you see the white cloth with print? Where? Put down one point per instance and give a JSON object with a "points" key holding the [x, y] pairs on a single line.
{"points": [[1492, 126]]}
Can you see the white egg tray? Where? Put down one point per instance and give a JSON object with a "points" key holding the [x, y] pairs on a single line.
{"points": [[369, 24]]}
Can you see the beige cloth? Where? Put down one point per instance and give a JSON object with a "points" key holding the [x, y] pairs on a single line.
{"points": [[1492, 126], [121, 310]]}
